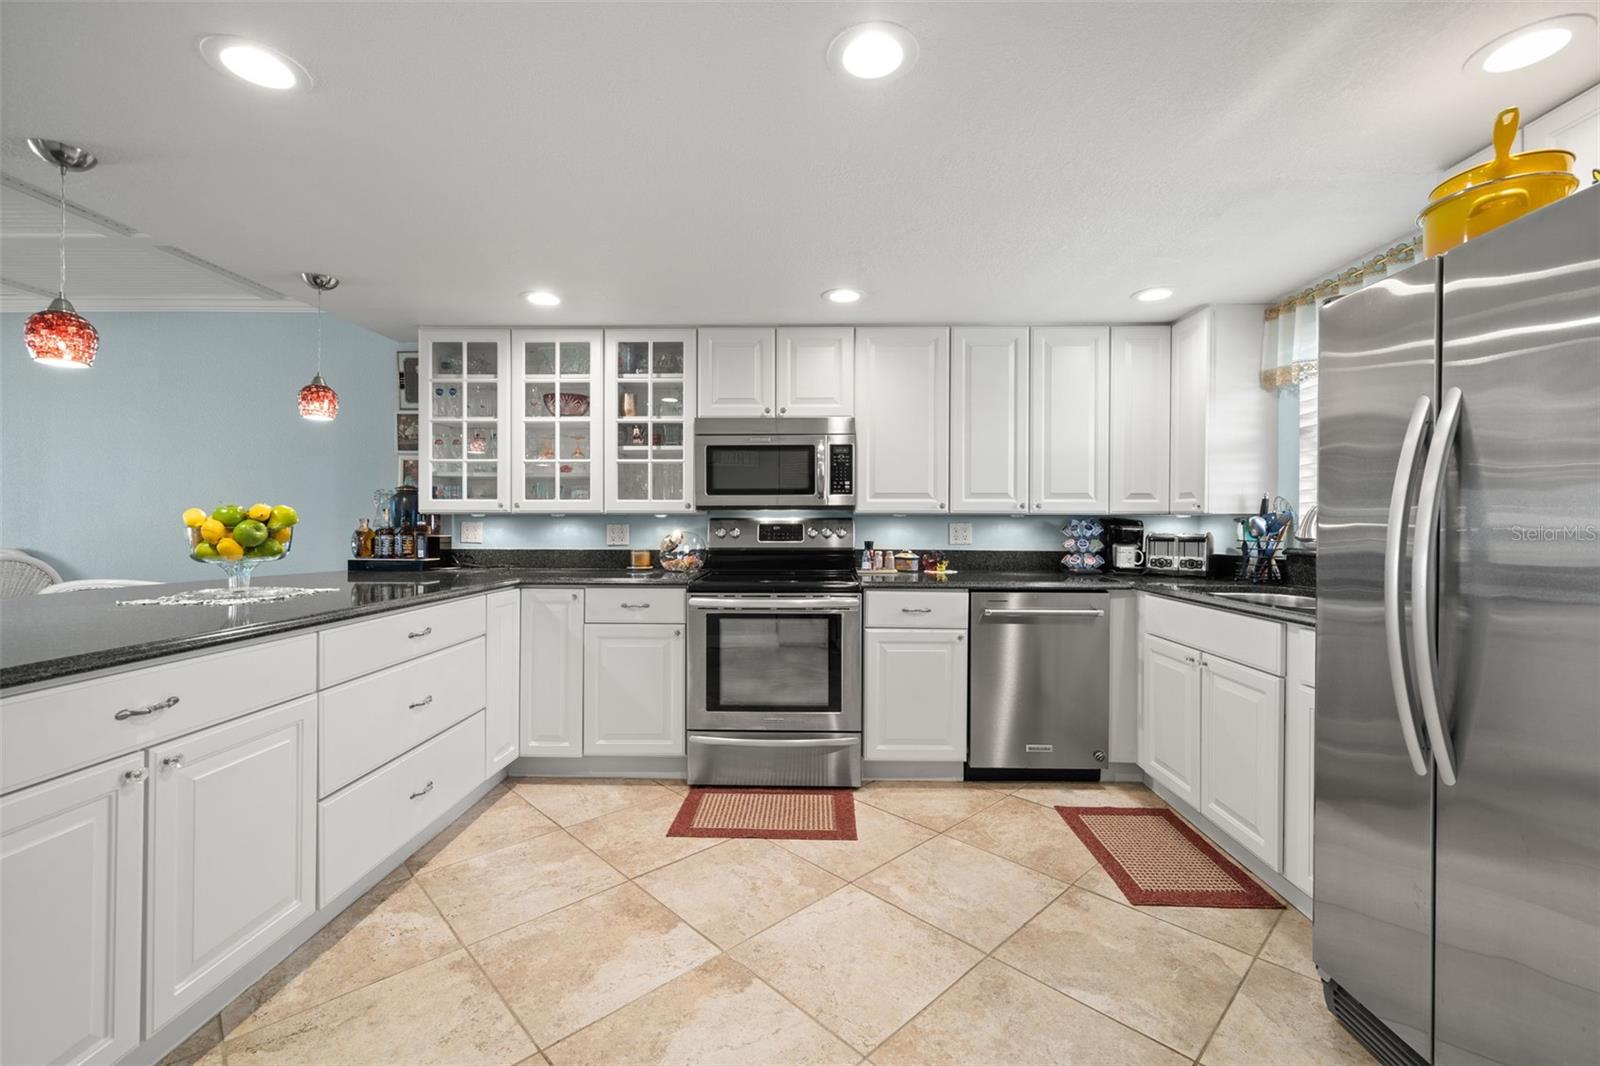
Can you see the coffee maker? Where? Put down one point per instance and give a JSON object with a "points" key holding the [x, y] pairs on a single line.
{"points": [[1125, 545]]}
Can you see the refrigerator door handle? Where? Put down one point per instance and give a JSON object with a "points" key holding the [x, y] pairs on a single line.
{"points": [[1423, 576], [1394, 549]]}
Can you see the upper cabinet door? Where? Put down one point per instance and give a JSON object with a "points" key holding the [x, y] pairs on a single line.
{"points": [[989, 420], [556, 403], [903, 425], [816, 372], [465, 402], [649, 420], [1141, 419], [1191, 393], [1575, 126], [1070, 420], [736, 373]]}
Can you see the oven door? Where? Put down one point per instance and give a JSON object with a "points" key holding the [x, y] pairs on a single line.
{"points": [[789, 663]]}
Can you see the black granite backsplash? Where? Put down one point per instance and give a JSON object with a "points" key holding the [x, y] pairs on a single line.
{"points": [[546, 558]]}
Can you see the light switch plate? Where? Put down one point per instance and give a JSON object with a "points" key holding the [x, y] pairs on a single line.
{"points": [[960, 532], [472, 532], [617, 535]]}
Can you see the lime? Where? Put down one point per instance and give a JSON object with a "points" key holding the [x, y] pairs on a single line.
{"points": [[229, 514], [283, 516], [193, 517], [204, 551], [267, 549], [249, 532]]}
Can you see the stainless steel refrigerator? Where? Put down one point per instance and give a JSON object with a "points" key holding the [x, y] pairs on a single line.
{"points": [[1457, 855]]}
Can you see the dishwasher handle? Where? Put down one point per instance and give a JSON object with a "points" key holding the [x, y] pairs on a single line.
{"points": [[1034, 612]]}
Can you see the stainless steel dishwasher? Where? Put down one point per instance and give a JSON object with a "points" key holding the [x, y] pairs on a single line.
{"points": [[1040, 681]]}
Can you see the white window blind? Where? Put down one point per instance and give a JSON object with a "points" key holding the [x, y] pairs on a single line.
{"points": [[1308, 445]]}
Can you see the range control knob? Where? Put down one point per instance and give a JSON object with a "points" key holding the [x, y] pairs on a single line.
{"points": [[811, 531], [734, 532], [720, 531], [828, 533]]}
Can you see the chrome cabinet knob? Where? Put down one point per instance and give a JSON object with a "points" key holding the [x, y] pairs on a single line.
{"points": [[133, 776], [173, 762]]}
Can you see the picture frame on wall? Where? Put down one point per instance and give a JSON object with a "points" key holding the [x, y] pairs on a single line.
{"points": [[408, 471], [409, 382], [407, 432]]}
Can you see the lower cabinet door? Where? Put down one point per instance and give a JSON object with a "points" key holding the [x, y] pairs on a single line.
{"points": [[633, 689], [71, 860], [916, 695], [1299, 783], [1241, 738], [1169, 699], [232, 855], [552, 672], [503, 668]]}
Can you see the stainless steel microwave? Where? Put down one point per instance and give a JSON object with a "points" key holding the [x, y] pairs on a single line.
{"points": [[770, 462]]}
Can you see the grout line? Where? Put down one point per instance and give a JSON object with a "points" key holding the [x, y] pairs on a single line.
{"points": [[1223, 1016]]}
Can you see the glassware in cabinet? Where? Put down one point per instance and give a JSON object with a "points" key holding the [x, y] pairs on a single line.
{"points": [[649, 390], [558, 377], [465, 388]]}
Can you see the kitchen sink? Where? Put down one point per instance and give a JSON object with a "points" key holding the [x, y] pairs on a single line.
{"points": [[1289, 600]]}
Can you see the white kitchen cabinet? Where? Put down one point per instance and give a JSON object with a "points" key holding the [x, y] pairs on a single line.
{"points": [[736, 373], [903, 421], [555, 433], [464, 404], [1575, 126], [816, 372], [1241, 739], [989, 419], [552, 672], [1069, 420], [502, 719], [71, 864], [1224, 424], [232, 850], [633, 689], [1141, 419], [915, 707], [1299, 757], [649, 420], [1170, 701]]}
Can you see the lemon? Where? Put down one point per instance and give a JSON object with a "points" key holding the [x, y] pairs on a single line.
{"points": [[212, 531], [229, 548], [204, 551], [260, 511], [193, 517], [282, 535], [283, 516]]}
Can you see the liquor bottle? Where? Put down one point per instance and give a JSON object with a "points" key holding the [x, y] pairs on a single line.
{"points": [[361, 541], [383, 543], [405, 542], [421, 535]]}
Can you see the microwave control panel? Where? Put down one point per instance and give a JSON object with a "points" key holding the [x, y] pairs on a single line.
{"points": [[841, 470]]}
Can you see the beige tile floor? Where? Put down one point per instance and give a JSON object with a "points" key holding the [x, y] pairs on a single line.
{"points": [[556, 922]]}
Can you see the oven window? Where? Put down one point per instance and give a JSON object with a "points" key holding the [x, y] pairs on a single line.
{"points": [[773, 662], [761, 469]]}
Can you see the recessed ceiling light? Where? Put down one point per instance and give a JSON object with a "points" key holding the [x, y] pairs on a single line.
{"points": [[542, 298], [873, 51], [1150, 296], [253, 62], [842, 296], [1528, 45]]}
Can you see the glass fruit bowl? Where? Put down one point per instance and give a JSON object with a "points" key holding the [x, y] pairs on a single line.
{"points": [[242, 546]]}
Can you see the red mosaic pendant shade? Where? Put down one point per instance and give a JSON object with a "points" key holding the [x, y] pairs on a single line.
{"points": [[59, 336], [318, 401]]}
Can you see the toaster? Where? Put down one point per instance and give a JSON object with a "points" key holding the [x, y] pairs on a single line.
{"points": [[1178, 553]]}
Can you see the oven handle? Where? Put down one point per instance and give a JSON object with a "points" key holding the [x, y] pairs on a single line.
{"points": [[776, 603], [776, 742]]}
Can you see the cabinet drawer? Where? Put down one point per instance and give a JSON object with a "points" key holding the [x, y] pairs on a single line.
{"points": [[368, 721], [1302, 654], [634, 605], [58, 729], [364, 824], [1252, 641], [917, 609], [352, 650]]}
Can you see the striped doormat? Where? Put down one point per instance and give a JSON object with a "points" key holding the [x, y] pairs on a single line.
{"points": [[767, 813], [1158, 860]]}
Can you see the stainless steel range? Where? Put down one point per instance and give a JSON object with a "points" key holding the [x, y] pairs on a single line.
{"points": [[775, 655]]}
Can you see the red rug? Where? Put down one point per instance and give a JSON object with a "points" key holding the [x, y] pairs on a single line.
{"points": [[1158, 860], [767, 813]]}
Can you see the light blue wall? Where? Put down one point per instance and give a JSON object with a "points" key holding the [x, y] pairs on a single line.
{"points": [[181, 410]]}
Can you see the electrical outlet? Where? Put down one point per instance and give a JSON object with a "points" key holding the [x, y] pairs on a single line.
{"points": [[960, 532], [472, 532], [617, 536]]}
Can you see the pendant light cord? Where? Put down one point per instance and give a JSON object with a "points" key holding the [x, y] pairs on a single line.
{"points": [[319, 333], [63, 292]]}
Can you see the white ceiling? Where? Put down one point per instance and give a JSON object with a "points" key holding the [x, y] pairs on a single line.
{"points": [[687, 163]]}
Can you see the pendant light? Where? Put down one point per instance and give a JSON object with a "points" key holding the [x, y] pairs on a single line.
{"points": [[318, 401], [58, 335]]}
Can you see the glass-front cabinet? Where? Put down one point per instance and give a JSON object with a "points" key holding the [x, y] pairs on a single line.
{"points": [[556, 420], [649, 422], [465, 401]]}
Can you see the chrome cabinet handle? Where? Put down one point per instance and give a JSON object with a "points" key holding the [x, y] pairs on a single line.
{"points": [[173, 762], [1024, 612], [423, 702], [425, 790], [916, 610], [634, 606], [1393, 551], [1430, 497], [133, 776], [140, 712], [419, 635]]}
